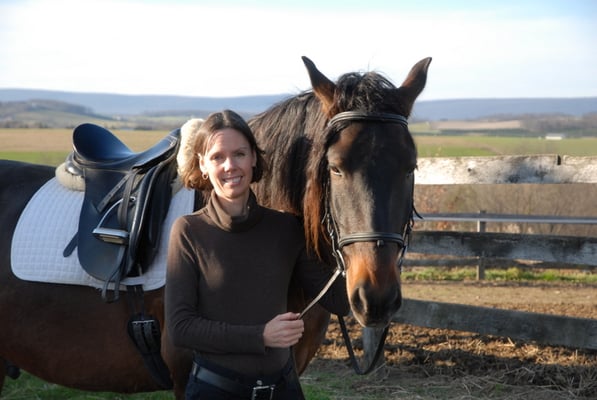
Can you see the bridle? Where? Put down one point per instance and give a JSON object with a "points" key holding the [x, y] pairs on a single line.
{"points": [[380, 238]]}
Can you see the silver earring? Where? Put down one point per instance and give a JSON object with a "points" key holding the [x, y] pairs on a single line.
{"points": [[205, 176]]}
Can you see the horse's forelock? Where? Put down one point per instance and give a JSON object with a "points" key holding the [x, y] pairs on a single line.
{"points": [[364, 92]]}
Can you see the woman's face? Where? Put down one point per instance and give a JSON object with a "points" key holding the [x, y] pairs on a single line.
{"points": [[229, 162]]}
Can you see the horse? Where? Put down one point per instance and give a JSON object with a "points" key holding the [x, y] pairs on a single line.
{"points": [[341, 158]]}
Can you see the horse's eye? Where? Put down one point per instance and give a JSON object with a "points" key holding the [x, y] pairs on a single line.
{"points": [[335, 170]]}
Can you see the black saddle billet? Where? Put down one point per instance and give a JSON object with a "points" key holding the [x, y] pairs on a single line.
{"points": [[127, 196]]}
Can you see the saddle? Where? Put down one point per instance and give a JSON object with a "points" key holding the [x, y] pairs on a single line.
{"points": [[127, 196]]}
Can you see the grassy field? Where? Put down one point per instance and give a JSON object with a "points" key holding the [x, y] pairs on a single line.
{"points": [[50, 146], [458, 146]]}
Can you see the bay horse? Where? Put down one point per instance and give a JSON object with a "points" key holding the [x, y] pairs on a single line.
{"points": [[341, 158]]}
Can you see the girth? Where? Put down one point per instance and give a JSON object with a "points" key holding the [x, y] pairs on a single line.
{"points": [[127, 196]]}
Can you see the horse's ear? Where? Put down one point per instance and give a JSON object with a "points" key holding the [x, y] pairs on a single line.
{"points": [[414, 83], [322, 87]]}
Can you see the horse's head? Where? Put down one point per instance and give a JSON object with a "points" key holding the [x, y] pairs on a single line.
{"points": [[361, 181]]}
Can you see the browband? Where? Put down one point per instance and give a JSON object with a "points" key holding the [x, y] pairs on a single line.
{"points": [[366, 116]]}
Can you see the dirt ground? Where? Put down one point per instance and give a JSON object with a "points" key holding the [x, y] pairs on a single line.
{"points": [[427, 364]]}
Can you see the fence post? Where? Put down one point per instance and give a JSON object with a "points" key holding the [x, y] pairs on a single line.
{"points": [[481, 227]]}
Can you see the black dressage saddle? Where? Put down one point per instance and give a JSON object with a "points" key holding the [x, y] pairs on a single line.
{"points": [[127, 196]]}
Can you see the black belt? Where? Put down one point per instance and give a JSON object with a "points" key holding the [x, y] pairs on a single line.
{"points": [[260, 390]]}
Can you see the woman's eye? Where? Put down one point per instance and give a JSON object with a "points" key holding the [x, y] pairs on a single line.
{"points": [[217, 159]]}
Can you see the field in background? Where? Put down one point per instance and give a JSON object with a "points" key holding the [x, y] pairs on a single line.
{"points": [[459, 146], [50, 146]]}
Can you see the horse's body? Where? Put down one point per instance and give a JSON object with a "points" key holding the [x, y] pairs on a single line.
{"points": [[359, 169]]}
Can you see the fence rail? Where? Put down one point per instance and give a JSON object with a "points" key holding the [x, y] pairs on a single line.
{"points": [[507, 218], [506, 170], [543, 328], [564, 249]]}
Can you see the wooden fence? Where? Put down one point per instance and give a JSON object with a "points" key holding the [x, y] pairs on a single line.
{"points": [[554, 250]]}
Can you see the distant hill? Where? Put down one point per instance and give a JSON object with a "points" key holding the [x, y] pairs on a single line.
{"points": [[43, 113], [465, 109], [113, 105], [118, 104], [32, 106]]}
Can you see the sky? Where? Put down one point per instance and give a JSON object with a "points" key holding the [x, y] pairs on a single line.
{"points": [[221, 48]]}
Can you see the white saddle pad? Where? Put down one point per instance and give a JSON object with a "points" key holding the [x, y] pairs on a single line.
{"points": [[49, 222]]}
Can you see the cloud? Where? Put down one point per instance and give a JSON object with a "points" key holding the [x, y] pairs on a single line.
{"points": [[184, 48]]}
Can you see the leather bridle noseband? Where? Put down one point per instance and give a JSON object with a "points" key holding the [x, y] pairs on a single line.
{"points": [[380, 238]]}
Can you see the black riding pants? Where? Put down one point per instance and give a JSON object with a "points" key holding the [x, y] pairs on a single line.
{"points": [[286, 388]]}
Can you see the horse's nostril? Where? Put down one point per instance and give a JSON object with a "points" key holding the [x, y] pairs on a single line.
{"points": [[358, 299]]}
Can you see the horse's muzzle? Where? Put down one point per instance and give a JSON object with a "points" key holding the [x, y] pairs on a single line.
{"points": [[375, 309]]}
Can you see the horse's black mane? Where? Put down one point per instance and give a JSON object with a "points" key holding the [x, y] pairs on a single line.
{"points": [[285, 132]]}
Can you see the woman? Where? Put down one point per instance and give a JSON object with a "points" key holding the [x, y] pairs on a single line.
{"points": [[229, 269]]}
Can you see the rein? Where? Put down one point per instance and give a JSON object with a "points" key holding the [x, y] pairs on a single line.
{"points": [[380, 238]]}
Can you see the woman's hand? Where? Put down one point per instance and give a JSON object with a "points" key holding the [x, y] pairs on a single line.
{"points": [[284, 330]]}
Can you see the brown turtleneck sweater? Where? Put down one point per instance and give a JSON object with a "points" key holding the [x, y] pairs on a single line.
{"points": [[228, 276]]}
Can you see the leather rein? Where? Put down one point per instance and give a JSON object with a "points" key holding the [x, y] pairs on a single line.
{"points": [[380, 238]]}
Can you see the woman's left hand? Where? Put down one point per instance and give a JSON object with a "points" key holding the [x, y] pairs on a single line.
{"points": [[284, 330]]}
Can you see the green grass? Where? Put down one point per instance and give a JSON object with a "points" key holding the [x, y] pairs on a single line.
{"points": [[459, 146], [29, 387], [312, 392], [428, 146], [494, 274], [454, 151], [54, 158]]}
